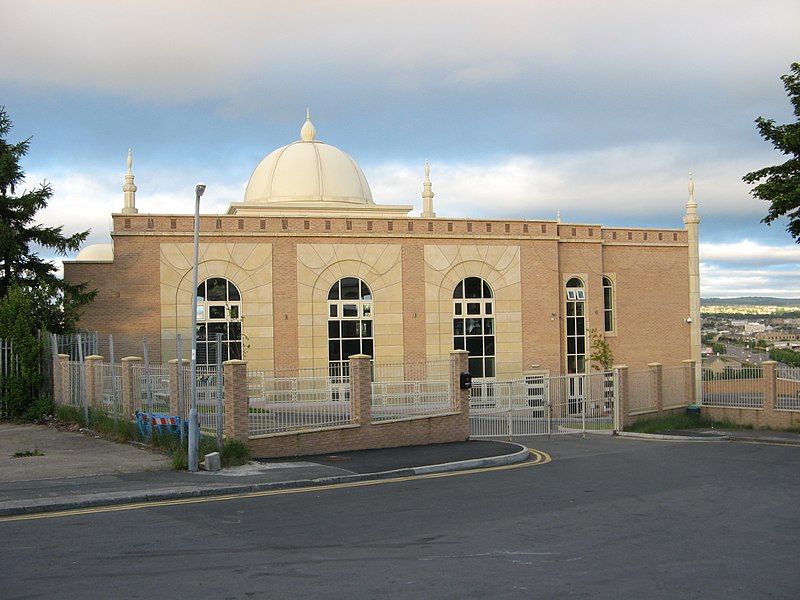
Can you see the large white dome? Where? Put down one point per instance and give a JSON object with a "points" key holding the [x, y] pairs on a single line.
{"points": [[308, 171]]}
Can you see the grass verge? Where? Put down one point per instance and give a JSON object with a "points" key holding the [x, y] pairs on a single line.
{"points": [[681, 421]]}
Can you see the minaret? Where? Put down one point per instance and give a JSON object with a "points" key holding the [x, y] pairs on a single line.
{"points": [[129, 208], [692, 222], [427, 194]]}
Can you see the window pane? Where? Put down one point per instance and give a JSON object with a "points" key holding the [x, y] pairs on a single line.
{"points": [[333, 329], [488, 326], [350, 288], [458, 308], [581, 364], [472, 287], [609, 321], [570, 345], [201, 312], [366, 329], [607, 298], [487, 292], [215, 328], [489, 371], [234, 331], [475, 345], [581, 345], [201, 332], [459, 291], [570, 326], [580, 294], [580, 326], [579, 309], [473, 308], [235, 351], [334, 293], [334, 350], [458, 343], [574, 283], [234, 311], [201, 292], [334, 310], [233, 293], [365, 293], [349, 310], [476, 367], [571, 364], [350, 347], [458, 326], [366, 347], [488, 345], [366, 309], [350, 329], [216, 312], [570, 294], [474, 326], [202, 354], [488, 308], [570, 309], [216, 288]]}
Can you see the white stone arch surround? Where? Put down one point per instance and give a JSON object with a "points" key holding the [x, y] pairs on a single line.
{"points": [[499, 266], [319, 266], [248, 266]]}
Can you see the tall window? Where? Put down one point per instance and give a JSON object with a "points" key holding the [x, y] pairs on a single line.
{"points": [[576, 326], [608, 304], [349, 322], [219, 310], [473, 325]]}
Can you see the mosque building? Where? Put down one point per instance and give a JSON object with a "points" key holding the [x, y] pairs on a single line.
{"points": [[308, 269]]}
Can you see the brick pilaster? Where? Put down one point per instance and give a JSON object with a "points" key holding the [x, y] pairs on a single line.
{"points": [[178, 401], [360, 389], [459, 399], [237, 400], [689, 382], [622, 399], [94, 384], [769, 376], [62, 375], [130, 387], [656, 380]]}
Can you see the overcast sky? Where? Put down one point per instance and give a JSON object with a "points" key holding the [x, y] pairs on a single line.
{"points": [[594, 109]]}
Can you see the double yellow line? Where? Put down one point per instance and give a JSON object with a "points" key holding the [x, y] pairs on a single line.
{"points": [[537, 457]]}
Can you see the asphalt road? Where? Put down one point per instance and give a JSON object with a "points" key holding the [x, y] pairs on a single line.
{"points": [[607, 518]]}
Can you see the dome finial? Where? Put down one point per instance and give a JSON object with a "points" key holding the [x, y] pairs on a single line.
{"points": [[130, 162], [308, 133]]}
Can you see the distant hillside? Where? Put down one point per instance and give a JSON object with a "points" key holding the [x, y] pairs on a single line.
{"points": [[750, 301]]}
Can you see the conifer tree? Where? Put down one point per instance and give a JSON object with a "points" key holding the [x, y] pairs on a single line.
{"points": [[55, 303]]}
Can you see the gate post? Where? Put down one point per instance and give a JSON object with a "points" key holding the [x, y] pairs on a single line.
{"points": [[459, 399], [62, 376], [689, 382], [621, 398]]}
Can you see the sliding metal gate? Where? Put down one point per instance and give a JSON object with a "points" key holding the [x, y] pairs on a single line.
{"points": [[543, 405]]}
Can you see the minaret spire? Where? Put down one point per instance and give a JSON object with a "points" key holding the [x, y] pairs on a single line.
{"points": [[427, 194], [692, 222], [129, 189]]}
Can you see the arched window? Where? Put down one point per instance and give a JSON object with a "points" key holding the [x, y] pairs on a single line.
{"points": [[473, 325], [219, 310], [608, 304], [576, 326], [349, 323]]}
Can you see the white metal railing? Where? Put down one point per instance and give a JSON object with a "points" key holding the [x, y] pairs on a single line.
{"points": [[209, 382], [402, 390], [733, 387], [539, 404], [109, 378], [151, 388], [787, 392], [673, 387], [641, 391], [308, 399]]}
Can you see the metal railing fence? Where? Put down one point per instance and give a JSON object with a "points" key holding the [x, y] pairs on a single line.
{"points": [[733, 387], [401, 390], [300, 400], [673, 387], [641, 391], [787, 392]]}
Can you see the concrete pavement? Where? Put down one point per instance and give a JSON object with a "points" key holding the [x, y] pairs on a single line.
{"points": [[76, 470]]}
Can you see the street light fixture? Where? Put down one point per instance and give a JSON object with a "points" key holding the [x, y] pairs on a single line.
{"points": [[194, 426]]}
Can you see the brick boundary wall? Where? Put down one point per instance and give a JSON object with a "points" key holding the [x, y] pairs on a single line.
{"points": [[625, 417], [768, 417], [361, 433]]}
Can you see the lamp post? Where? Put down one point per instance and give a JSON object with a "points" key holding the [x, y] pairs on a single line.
{"points": [[194, 426]]}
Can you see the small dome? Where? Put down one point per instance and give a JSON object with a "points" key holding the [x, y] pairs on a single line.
{"points": [[96, 253], [308, 171]]}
